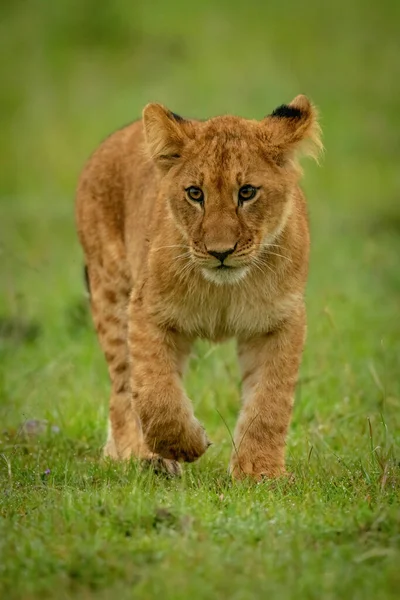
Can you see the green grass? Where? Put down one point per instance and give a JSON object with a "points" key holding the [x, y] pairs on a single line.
{"points": [[72, 526]]}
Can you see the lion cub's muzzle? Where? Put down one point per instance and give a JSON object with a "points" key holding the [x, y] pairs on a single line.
{"points": [[221, 257]]}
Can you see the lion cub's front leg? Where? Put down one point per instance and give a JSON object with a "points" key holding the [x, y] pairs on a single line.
{"points": [[157, 359], [270, 365]]}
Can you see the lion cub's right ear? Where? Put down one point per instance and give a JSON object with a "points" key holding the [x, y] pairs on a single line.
{"points": [[165, 133]]}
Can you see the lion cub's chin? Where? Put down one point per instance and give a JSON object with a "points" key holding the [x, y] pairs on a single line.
{"points": [[227, 275]]}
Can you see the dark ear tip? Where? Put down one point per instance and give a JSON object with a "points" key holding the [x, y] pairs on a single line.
{"points": [[176, 117], [286, 111]]}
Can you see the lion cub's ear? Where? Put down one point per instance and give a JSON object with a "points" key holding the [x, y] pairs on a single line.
{"points": [[292, 129], [165, 134]]}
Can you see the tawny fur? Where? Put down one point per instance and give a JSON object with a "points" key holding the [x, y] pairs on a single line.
{"points": [[155, 285]]}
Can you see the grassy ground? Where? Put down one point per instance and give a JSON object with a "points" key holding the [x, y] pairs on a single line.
{"points": [[74, 527]]}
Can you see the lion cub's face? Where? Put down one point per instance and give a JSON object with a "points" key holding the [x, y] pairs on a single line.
{"points": [[229, 181]]}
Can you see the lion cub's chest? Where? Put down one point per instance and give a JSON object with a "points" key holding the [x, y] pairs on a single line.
{"points": [[224, 313]]}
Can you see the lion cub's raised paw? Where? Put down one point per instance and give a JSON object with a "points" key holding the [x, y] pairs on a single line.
{"points": [[186, 443]]}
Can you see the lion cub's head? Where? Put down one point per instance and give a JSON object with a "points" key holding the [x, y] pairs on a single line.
{"points": [[229, 181]]}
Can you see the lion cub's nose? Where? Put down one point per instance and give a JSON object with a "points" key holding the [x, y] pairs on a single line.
{"points": [[221, 255]]}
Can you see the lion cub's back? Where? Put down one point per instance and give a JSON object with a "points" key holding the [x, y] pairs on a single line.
{"points": [[115, 195]]}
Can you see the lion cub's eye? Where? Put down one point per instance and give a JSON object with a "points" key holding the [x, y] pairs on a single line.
{"points": [[247, 192], [195, 193]]}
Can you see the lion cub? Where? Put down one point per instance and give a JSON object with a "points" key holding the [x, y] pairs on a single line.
{"points": [[199, 229]]}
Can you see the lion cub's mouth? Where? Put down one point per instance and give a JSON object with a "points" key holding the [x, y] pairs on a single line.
{"points": [[225, 274]]}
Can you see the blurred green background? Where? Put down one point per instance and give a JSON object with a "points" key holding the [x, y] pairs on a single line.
{"points": [[73, 71]]}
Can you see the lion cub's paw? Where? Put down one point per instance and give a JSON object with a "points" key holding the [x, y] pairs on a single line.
{"points": [[246, 468], [160, 465], [187, 443], [164, 466]]}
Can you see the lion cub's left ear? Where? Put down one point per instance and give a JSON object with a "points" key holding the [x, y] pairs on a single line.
{"points": [[292, 129], [165, 133]]}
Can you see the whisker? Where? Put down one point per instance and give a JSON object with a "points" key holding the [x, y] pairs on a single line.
{"points": [[280, 255], [172, 246], [260, 264], [186, 269], [264, 245], [184, 255]]}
